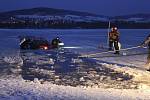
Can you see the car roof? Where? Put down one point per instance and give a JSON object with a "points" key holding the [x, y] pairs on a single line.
{"points": [[32, 38]]}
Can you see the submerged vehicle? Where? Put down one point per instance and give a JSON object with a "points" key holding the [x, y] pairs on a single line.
{"points": [[31, 42]]}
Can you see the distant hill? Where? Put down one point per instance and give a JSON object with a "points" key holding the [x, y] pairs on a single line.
{"points": [[134, 17], [59, 18], [140, 15], [42, 11], [53, 14]]}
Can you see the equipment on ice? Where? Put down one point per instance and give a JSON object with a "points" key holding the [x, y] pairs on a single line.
{"points": [[105, 52]]}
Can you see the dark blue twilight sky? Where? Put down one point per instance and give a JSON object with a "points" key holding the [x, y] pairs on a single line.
{"points": [[101, 7]]}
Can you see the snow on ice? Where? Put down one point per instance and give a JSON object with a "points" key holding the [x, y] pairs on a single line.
{"points": [[65, 75]]}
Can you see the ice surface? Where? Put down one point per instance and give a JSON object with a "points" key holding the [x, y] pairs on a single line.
{"points": [[65, 75]]}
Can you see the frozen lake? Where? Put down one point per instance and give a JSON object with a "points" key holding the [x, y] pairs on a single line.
{"points": [[87, 39], [67, 60], [44, 69]]}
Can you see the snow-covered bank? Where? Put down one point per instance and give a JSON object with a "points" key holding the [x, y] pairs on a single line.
{"points": [[18, 89], [114, 82], [131, 63], [139, 76]]}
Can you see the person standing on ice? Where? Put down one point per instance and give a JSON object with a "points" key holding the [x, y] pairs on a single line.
{"points": [[147, 42], [114, 39], [55, 42]]}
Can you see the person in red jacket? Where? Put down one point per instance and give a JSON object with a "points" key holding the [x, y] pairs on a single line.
{"points": [[114, 39]]}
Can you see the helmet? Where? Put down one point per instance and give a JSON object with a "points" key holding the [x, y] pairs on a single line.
{"points": [[114, 29], [57, 38]]}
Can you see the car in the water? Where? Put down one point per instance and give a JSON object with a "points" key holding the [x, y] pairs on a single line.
{"points": [[32, 42]]}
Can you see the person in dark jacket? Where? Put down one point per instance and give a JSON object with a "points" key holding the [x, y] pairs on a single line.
{"points": [[114, 39], [55, 42], [147, 42]]}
